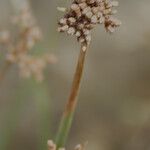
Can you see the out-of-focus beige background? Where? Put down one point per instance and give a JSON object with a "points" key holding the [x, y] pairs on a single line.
{"points": [[114, 104]]}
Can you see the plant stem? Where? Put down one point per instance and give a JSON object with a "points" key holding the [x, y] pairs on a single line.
{"points": [[68, 114]]}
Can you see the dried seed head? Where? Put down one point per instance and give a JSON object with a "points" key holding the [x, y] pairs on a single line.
{"points": [[89, 14], [94, 19], [83, 5], [75, 7], [95, 10], [78, 34], [86, 10], [86, 31], [71, 20], [51, 145], [63, 21], [81, 39], [63, 28], [83, 15], [71, 31], [88, 39]]}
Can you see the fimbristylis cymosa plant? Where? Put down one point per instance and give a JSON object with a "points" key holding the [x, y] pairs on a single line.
{"points": [[79, 20]]}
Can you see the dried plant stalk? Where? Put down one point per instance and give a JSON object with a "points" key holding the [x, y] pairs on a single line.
{"points": [[79, 20], [72, 101]]}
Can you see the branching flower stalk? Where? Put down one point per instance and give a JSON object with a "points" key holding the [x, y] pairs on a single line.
{"points": [[79, 20]]}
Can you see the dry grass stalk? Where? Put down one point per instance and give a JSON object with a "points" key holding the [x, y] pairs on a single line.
{"points": [[79, 20], [72, 100]]}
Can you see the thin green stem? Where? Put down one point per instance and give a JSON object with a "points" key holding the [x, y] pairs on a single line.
{"points": [[68, 114]]}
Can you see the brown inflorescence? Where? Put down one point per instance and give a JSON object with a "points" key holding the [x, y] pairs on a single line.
{"points": [[83, 15]]}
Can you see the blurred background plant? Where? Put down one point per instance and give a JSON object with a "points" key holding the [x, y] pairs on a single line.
{"points": [[19, 46], [113, 113]]}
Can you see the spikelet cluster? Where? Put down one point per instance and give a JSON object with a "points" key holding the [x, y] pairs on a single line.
{"points": [[83, 15], [18, 50], [53, 146]]}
